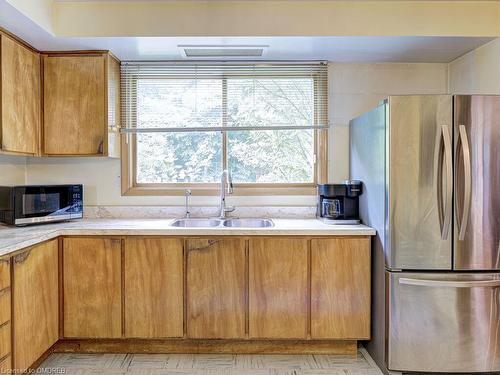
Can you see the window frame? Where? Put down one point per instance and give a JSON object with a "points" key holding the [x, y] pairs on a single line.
{"points": [[130, 186]]}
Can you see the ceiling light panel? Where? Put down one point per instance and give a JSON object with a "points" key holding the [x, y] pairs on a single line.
{"points": [[221, 51]]}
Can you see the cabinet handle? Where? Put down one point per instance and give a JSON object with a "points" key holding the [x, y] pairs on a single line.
{"points": [[100, 148], [451, 284], [21, 258], [116, 242], [467, 182], [210, 243]]}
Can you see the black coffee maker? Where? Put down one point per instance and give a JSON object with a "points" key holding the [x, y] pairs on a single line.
{"points": [[339, 203]]}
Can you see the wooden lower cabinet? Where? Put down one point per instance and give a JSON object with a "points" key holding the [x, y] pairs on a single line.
{"points": [[92, 287], [35, 298], [278, 288], [154, 281], [340, 288], [233, 289], [216, 288]]}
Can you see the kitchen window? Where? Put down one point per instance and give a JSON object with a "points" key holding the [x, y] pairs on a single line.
{"points": [[185, 123]]}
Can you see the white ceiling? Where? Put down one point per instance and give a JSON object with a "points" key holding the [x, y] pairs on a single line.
{"points": [[338, 48]]}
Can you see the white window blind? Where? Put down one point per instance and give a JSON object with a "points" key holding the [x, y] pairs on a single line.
{"points": [[187, 122], [193, 97]]}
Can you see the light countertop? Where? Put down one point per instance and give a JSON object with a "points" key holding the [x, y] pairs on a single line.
{"points": [[14, 238]]}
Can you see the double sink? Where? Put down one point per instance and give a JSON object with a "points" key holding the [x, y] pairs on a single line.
{"points": [[222, 223]]}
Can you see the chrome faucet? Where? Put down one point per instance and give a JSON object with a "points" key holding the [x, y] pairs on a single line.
{"points": [[226, 187], [188, 213]]}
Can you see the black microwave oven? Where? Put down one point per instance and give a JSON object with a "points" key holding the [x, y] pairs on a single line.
{"points": [[24, 205]]}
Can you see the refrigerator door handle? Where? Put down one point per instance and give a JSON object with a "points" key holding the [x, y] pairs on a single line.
{"points": [[451, 284], [464, 142], [448, 208]]}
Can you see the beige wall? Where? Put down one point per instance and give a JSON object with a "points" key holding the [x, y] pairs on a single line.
{"points": [[477, 72], [353, 89], [264, 18], [277, 18], [12, 170], [356, 88]]}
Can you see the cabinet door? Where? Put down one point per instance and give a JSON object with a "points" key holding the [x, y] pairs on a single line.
{"points": [[340, 288], [154, 287], [75, 111], [20, 99], [216, 293], [278, 288], [114, 102], [92, 287], [35, 294]]}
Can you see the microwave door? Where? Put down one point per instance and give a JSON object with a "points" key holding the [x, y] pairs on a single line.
{"points": [[477, 181], [42, 203]]}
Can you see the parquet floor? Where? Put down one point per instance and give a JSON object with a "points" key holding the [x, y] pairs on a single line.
{"points": [[208, 364]]}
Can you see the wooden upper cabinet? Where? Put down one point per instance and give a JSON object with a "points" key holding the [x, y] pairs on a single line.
{"points": [[278, 288], [114, 112], [340, 288], [216, 288], [35, 307], [92, 287], [20, 98], [154, 285], [81, 94]]}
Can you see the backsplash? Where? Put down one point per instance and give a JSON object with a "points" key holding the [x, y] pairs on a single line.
{"points": [[158, 212]]}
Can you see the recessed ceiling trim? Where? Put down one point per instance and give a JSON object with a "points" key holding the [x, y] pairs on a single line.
{"points": [[222, 51]]}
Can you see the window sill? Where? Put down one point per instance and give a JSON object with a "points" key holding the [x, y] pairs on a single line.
{"points": [[213, 190]]}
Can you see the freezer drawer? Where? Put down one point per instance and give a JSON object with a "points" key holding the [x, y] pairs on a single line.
{"points": [[443, 322]]}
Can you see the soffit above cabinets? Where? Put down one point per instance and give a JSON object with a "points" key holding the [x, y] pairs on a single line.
{"points": [[432, 49]]}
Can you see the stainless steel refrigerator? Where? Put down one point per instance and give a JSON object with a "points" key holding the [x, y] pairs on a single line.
{"points": [[431, 171]]}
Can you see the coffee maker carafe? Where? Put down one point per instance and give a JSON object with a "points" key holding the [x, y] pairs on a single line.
{"points": [[339, 203]]}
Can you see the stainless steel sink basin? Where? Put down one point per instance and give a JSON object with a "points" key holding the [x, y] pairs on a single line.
{"points": [[227, 223], [248, 223], [195, 223]]}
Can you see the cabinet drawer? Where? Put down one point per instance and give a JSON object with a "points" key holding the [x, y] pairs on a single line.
{"points": [[4, 340], [4, 305], [5, 365], [4, 273]]}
